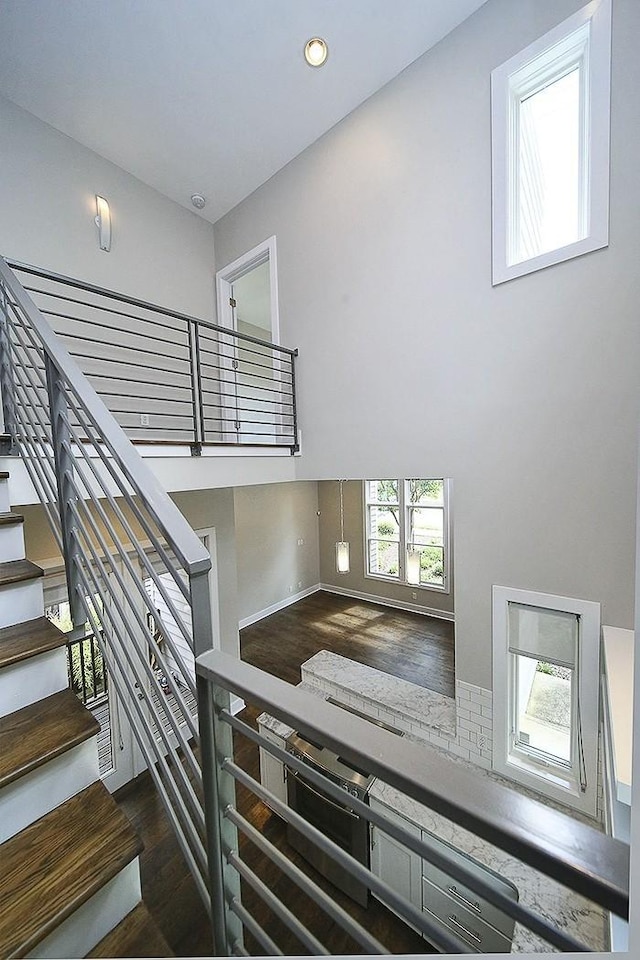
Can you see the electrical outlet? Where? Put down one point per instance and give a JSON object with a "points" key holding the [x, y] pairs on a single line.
{"points": [[482, 742], [300, 542], [414, 595], [299, 584], [144, 419]]}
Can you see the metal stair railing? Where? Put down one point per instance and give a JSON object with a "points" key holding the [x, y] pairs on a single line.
{"points": [[119, 533]]}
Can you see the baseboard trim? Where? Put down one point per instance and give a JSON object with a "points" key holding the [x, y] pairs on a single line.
{"points": [[275, 607], [387, 602]]}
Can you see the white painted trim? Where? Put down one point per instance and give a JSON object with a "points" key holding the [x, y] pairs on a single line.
{"points": [[280, 605], [588, 681], [387, 602], [598, 99], [261, 253]]}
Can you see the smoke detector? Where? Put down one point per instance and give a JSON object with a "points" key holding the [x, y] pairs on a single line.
{"points": [[198, 201]]}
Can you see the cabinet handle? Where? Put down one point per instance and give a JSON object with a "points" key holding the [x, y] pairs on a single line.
{"points": [[469, 933], [473, 904]]}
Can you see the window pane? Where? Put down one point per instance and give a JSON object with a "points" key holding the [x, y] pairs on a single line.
{"points": [[549, 168], [426, 491], [383, 557], [426, 526], [382, 491], [432, 565], [543, 708], [383, 523]]}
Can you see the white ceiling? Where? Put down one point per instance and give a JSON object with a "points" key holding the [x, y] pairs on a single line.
{"points": [[207, 96]]}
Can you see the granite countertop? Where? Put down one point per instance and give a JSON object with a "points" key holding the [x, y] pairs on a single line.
{"points": [[555, 903], [403, 704]]}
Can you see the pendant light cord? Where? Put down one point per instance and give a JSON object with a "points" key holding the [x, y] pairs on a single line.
{"points": [[341, 514]]}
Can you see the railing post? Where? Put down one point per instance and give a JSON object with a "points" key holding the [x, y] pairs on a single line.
{"points": [[216, 743], [196, 388], [295, 446], [7, 386], [61, 442]]}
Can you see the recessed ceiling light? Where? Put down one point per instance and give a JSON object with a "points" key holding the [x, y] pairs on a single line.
{"points": [[316, 51]]}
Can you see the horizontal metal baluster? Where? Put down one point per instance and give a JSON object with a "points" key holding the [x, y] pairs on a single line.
{"points": [[137, 365], [159, 548], [436, 935], [98, 306], [135, 614], [254, 928], [127, 332], [112, 653], [279, 909], [331, 908]]}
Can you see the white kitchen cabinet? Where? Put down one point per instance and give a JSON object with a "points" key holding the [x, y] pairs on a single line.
{"points": [[272, 771], [399, 867]]}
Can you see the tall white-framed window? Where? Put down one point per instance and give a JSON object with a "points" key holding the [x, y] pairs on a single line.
{"points": [[545, 693], [550, 146], [407, 531]]}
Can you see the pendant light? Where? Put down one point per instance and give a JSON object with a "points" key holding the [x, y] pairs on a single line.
{"points": [[342, 546]]}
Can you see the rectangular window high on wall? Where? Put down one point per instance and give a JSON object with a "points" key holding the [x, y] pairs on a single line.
{"points": [[550, 146], [545, 693], [407, 531]]}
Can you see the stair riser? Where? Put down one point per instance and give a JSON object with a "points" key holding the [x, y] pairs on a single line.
{"points": [[4, 497], [30, 680], [32, 796], [20, 602], [11, 542], [94, 919]]}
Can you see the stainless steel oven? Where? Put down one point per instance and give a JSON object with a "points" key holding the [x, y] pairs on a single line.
{"points": [[338, 821]]}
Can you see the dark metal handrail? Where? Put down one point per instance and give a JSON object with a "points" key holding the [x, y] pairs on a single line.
{"points": [[219, 387]]}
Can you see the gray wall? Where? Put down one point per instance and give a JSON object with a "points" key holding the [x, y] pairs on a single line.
{"points": [[526, 394], [160, 251], [215, 508], [328, 503], [270, 519]]}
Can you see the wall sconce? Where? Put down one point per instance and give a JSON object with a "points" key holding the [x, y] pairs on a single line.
{"points": [[103, 223], [342, 546], [413, 565]]}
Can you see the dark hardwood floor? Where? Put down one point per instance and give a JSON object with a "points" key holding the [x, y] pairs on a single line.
{"points": [[407, 645], [404, 644]]}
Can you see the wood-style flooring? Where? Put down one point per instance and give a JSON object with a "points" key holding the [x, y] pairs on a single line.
{"points": [[406, 645], [417, 648]]}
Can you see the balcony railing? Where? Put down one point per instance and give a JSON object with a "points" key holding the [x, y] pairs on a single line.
{"points": [[554, 847], [168, 378]]}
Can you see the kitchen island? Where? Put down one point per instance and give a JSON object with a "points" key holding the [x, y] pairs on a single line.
{"points": [[420, 713]]}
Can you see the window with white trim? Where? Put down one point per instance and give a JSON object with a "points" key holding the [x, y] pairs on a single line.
{"points": [[550, 146], [545, 691], [407, 531]]}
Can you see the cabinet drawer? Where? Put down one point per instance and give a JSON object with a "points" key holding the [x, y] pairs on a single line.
{"points": [[467, 926], [469, 900]]}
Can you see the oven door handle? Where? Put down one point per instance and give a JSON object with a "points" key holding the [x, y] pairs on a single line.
{"points": [[322, 796]]}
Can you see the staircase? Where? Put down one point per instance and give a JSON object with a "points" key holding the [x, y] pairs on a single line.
{"points": [[69, 872]]}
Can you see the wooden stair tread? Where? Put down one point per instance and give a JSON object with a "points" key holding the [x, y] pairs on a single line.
{"points": [[41, 731], [15, 571], [55, 865], [23, 640], [138, 935], [10, 517]]}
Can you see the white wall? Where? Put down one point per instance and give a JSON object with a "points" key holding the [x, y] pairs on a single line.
{"points": [[160, 251], [412, 364], [272, 564]]}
